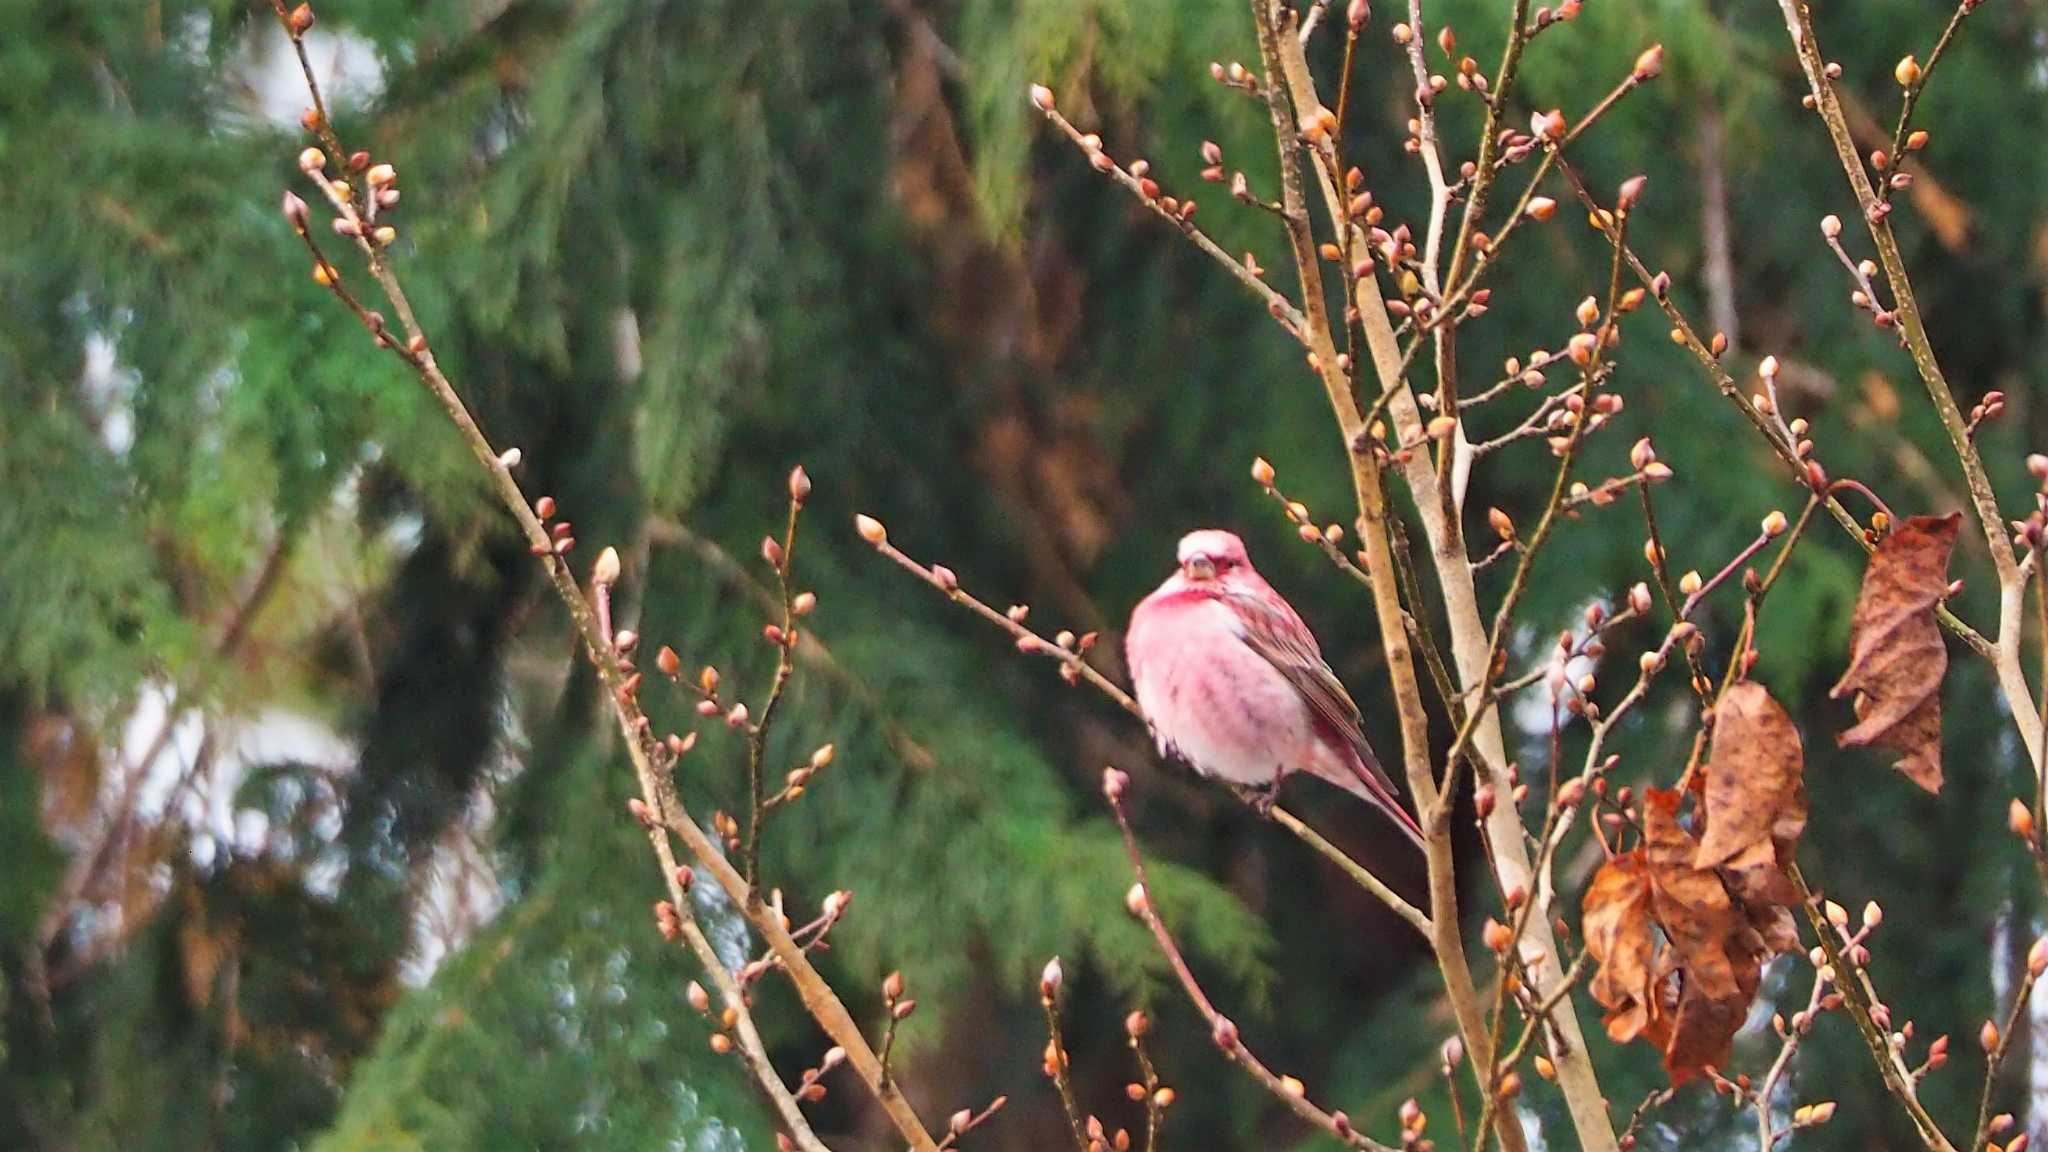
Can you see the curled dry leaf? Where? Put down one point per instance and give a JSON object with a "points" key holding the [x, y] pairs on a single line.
{"points": [[1714, 952], [1896, 657], [1755, 796], [1755, 806], [1617, 929], [1678, 945]]}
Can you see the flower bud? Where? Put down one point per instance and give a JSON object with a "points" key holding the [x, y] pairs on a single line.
{"points": [[1136, 901], [1650, 63], [1631, 191], [1497, 935], [669, 663], [1639, 597], [1907, 72], [871, 530], [606, 571], [1541, 208], [1041, 98], [1050, 980], [799, 484], [1262, 472], [1224, 1033], [1114, 781], [2020, 819]]}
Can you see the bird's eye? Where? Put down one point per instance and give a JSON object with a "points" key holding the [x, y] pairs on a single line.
{"points": [[1224, 563]]}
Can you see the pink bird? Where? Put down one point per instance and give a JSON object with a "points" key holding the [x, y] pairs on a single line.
{"points": [[1233, 683]]}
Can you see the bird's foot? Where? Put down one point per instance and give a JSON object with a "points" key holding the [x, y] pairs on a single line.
{"points": [[1259, 797]]}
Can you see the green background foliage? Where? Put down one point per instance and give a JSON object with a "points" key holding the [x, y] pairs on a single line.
{"points": [[672, 249]]}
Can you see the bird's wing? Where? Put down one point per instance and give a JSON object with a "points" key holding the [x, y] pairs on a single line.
{"points": [[1279, 636]]}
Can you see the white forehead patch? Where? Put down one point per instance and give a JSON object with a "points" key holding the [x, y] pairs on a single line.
{"points": [[1211, 542]]}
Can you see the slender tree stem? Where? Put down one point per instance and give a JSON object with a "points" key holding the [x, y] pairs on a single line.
{"points": [[1221, 1028], [1876, 213]]}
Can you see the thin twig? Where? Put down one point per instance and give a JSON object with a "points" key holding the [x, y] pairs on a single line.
{"points": [[1221, 1029], [650, 759]]}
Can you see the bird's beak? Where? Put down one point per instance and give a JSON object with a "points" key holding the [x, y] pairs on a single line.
{"points": [[1198, 567]]}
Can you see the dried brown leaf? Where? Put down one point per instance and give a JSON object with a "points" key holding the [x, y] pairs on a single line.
{"points": [[1896, 656], [1618, 933], [1714, 951], [1755, 791]]}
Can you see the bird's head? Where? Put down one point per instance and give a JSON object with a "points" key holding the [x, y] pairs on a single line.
{"points": [[1212, 554]]}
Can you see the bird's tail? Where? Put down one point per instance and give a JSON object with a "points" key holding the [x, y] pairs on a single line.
{"points": [[1368, 781]]}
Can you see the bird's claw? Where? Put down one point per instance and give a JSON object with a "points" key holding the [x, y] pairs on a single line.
{"points": [[1259, 799]]}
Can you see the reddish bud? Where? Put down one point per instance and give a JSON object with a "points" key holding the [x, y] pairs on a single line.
{"points": [[1650, 63], [1114, 781], [1224, 1033]]}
